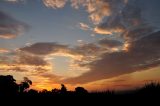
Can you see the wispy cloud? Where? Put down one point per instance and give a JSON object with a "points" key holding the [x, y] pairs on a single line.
{"points": [[11, 0], [3, 50], [14, 1], [84, 26], [54, 3]]}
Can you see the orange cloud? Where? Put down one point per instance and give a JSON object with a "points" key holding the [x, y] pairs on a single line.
{"points": [[2, 50]]}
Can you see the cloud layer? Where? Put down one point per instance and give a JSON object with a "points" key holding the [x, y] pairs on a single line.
{"points": [[143, 54]]}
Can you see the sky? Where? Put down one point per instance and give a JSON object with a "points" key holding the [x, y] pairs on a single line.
{"points": [[96, 44]]}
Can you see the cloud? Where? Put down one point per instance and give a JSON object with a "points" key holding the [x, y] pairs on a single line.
{"points": [[54, 3], [3, 50], [137, 32], [97, 9], [79, 55], [111, 17], [132, 14], [84, 26], [44, 48], [143, 54], [120, 22], [13, 0], [111, 26], [75, 3], [87, 48], [126, 23], [51, 77], [52, 48], [31, 60], [10, 27], [110, 43], [21, 62]]}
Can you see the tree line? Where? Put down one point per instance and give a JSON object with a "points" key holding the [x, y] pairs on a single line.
{"points": [[9, 87]]}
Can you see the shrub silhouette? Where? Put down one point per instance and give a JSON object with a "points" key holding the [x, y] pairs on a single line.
{"points": [[55, 91], [32, 92], [80, 90], [150, 89]]}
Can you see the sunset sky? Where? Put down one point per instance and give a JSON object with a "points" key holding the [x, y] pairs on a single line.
{"points": [[96, 44]]}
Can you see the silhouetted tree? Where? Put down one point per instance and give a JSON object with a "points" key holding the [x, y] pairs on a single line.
{"points": [[63, 89], [55, 91], [44, 91], [32, 92], [80, 90], [8, 85], [24, 85]]}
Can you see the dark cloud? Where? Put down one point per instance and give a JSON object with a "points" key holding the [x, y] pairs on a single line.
{"points": [[87, 49], [31, 60], [10, 27], [24, 62], [136, 25], [44, 48], [51, 77], [23, 58], [52, 47], [132, 14], [18, 69], [143, 54], [137, 32], [112, 25], [110, 43]]}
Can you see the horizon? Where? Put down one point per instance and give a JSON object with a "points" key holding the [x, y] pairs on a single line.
{"points": [[95, 44]]}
